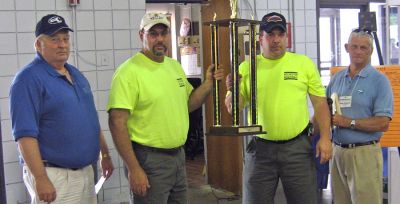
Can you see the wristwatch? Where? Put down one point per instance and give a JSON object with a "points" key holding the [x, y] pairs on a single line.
{"points": [[353, 124]]}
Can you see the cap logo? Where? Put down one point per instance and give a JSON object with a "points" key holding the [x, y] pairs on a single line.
{"points": [[274, 19], [55, 20], [156, 17]]}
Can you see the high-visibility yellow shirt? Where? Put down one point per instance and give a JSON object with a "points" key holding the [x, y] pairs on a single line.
{"points": [[282, 88], [157, 95]]}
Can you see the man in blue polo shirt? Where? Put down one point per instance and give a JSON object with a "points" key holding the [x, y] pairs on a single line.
{"points": [[55, 123], [366, 103]]}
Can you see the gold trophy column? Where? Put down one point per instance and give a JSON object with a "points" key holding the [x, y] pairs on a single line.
{"points": [[253, 74], [233, 23], [215, 61]]}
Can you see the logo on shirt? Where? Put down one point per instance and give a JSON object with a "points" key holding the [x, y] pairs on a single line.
{"points": [[180, 82], [290, 75]]}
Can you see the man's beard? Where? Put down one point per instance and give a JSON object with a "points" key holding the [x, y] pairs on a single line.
{"points": [[159, 53]]}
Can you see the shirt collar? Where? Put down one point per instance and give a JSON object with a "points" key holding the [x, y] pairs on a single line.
{"points": [[364, 71], [53, 72]]}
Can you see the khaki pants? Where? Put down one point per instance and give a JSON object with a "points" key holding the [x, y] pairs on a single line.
{"points": [[357, 174], [72, 187]]}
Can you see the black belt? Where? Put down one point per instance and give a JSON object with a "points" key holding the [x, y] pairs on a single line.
{"points": [[304, 132], [356, 144], [48, 164], [170, 151]]}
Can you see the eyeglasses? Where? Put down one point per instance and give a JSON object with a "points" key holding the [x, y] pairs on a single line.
{"points": [[155, 34]]}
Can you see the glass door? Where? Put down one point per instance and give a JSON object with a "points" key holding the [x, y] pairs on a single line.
{"points": [[328, 21], [335, 25], [394, 35]]}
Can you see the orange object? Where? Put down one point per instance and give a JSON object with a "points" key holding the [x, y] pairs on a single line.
{"points": [[390, 138]]}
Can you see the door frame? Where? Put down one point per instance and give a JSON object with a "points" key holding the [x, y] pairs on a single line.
{"points": [[3, 195]]}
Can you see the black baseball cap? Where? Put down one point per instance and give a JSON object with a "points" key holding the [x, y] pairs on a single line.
{"points": [[271, 21], [50, 24]]}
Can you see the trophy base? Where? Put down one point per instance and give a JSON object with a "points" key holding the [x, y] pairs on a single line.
{"points": [[236, 131]]}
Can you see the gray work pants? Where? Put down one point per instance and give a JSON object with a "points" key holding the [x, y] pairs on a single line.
{"points": [[167, 177], [292, 162]]}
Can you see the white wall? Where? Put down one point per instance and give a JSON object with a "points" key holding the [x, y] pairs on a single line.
{"points": [[107, 34], [394, 179], [300, 13]]}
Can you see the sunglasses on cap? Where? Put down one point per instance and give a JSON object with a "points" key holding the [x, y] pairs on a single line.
{"points": [[362, 30]]}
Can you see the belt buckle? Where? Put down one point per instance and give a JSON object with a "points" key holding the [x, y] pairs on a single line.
{"points": [[352, 145]]}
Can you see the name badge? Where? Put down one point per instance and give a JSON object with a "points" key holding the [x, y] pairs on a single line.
{"points": [[345, 101]]}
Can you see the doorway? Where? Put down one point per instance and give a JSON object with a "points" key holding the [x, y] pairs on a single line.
{"points": [[336, 24], [394, 34]]}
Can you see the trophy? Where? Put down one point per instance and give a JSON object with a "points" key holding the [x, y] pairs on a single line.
{"points": [[234, 23]]}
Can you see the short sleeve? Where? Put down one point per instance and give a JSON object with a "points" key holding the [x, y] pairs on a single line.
{"points": [[315, 86], [383, 102], [124, 90], [25, 107]]}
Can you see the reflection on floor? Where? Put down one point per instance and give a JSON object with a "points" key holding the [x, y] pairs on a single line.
{"points": [[201, 193]]}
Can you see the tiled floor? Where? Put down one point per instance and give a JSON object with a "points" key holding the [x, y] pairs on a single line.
{"points": [[207, 195], [199, 191], [195, 171]]}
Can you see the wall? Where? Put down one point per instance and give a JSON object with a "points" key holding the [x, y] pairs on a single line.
{"points": [[300, 13], [107, 34]]}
